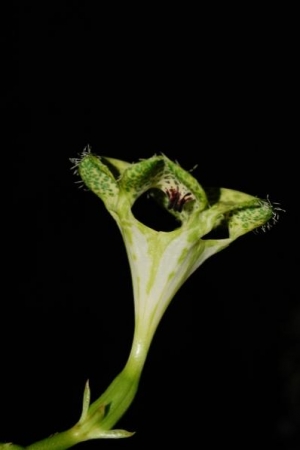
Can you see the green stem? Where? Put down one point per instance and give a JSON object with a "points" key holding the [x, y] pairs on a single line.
{"points": [[105, 412], [59, 441], [121, 392]]}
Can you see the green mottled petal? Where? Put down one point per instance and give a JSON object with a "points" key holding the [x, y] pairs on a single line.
{"points": [[247, 218], [141, 176], [99, 179], [233, 207]]}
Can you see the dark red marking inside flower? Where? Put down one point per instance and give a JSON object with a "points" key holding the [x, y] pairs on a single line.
{"points": [[176, 199]]}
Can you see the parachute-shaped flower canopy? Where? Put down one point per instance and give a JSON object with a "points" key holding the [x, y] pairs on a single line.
{"points": [[161, 261]]}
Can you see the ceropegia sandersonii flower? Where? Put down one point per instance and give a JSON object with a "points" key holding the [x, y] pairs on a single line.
{"points": [[160, 262]]}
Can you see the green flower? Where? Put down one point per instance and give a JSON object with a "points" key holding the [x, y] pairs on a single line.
{"points": [[161, 262]]}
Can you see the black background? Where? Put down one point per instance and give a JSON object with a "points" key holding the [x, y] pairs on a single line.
{"points": [[213, 88]]}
